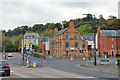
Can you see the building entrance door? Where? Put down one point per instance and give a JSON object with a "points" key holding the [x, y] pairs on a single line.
{"points": [[112, 53], [67, 53]]}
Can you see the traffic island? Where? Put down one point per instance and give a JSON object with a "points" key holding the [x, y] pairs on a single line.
{"points": [[101, 68]]}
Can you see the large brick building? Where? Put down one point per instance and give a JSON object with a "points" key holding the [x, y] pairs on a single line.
{"points": [[108, 42], [66, 42]]}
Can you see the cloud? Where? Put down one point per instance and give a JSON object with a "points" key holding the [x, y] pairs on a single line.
{"points": [[30, 12], [85, 5]]}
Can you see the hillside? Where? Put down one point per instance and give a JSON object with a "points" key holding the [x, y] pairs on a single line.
{"points": [[82, 30]]}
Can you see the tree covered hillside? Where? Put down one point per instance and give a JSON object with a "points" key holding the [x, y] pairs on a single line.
{"points": [[87, 25]]}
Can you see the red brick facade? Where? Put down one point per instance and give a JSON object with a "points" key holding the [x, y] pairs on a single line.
{"points": [[42, 50], [61, 47], [107, 44], [85, 50]]}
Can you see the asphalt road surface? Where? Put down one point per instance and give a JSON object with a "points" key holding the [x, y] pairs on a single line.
{"points": [[52, 68]]}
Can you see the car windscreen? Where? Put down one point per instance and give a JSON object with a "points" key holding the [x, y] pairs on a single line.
{"points": [[3, 63]]}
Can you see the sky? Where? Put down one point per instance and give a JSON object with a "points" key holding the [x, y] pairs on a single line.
{"points": [[14, 13]]}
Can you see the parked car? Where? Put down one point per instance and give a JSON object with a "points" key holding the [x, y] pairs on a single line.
{"points": [[4, 68], [10, 55], [104, 61]]}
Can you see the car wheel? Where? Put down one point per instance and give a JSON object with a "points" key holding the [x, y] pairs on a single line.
{"points": [[8, 73]]}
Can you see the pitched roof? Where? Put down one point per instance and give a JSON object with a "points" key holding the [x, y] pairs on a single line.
{"points": [[43, 38], [87, 38], [31, 36], [60, 32], [110, 33]]}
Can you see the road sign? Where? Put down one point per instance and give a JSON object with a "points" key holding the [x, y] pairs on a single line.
{"points": [[72, 49], [50, 57]]}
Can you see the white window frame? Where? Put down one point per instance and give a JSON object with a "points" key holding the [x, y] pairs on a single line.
{"points": [[76, 36], [112, 39], [112, 45]]}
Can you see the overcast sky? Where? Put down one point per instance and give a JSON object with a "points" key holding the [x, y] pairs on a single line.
{"points": [[15, 13]]}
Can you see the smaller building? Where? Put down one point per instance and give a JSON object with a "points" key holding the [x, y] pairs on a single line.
{"points": [[29, 39], [44, 45], [87, 46]]}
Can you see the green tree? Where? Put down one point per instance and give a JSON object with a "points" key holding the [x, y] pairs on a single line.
{"points": [[51, 26], [113, 24], [7, 44]]}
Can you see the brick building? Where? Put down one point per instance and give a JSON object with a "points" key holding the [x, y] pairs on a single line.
{"points": [[66, 42], [44, 45], [87, 46], [108, 42]]}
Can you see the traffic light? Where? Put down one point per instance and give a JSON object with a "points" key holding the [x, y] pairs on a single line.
{"points": [[32, 47], [3, 51]]}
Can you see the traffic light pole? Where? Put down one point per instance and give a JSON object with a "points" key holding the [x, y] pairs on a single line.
{"points": [[95, 50], [23, 58], [95, 43], [24, 50]]}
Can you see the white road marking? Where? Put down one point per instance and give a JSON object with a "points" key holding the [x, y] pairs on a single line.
{"points": [[44, 61], [11, 71], [21, 75]]}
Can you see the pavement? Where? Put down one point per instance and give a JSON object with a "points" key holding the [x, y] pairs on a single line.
{"points": [[101, 68], [89, 65]]}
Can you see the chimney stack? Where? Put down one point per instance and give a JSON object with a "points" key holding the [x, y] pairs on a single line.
{"points": [[56, 30], [98, 29], [71, 23]]}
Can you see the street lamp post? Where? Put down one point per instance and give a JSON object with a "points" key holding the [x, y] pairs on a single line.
{"points": [[116, 42], [95, 63], [5, 47], [44, 47], [24, 51]]}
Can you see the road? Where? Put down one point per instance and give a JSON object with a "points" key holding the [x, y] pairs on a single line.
{"points": [[52, 68]]}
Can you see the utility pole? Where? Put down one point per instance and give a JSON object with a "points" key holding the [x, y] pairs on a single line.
{"points": [[95, 63], [95, 43], [116, 42], [44, 47]]}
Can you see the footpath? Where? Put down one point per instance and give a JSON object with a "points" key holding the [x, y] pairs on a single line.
{"points": [[89, 64]]}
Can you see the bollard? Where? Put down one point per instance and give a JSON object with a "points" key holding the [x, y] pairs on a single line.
{"points": [[34, 64], [71, 58], [27, 61]]}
